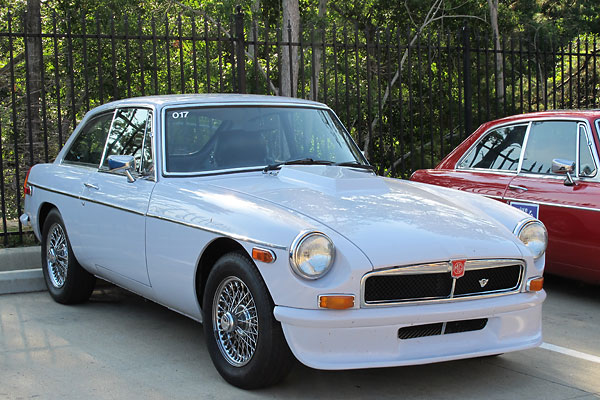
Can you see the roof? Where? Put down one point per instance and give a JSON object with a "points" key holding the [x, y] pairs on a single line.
{"points": [[553, 113], [181, 99]]}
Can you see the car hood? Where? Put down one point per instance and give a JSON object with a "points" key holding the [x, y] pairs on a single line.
{"points": [[391, 221]]}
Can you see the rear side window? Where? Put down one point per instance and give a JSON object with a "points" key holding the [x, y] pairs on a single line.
{"points": [[549, 140], [500, 149], [88, 145]]}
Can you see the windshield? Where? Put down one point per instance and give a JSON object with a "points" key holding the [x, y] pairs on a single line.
{"points": [[204, 139]]}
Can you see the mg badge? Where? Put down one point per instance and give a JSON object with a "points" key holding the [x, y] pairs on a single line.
{"points": [[483, 282], [458, 268]]}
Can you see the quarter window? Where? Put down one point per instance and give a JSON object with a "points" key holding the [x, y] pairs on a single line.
{"points": [[88, 145], [549, 140], [587, 166], [130, 135], [500, 149]]}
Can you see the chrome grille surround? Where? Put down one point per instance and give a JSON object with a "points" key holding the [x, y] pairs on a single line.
{"points": [[444, 267]]}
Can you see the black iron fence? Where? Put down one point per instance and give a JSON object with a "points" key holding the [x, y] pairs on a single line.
{"points": [[408, 98]]}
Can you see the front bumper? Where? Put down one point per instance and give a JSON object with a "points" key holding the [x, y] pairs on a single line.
{"points": [[368, 337]]}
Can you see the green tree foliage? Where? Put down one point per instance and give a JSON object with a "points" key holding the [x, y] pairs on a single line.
{"points": [[404, 106]]}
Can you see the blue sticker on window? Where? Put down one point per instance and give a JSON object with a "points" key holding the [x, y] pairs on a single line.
{"points": [[531, 209]]}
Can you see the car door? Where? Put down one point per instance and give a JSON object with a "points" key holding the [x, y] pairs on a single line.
{"points": [[570, 212], [490, 164], [80, 160], [116, 206]]}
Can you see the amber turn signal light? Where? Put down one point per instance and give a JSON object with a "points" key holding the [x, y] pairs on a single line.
{"points": [[264, 255], [536, 284], [336, 302]]}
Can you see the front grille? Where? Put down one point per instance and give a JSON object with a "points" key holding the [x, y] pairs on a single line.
{"points": [[407, 287], [487, 280], [435, 282], [417, 331]]}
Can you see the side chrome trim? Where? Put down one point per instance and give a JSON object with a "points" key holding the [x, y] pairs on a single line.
{"points": [[129, 210], [545, 203], [444, 267], [87, 199], [215, 231], [219, 232], [53, 190]]}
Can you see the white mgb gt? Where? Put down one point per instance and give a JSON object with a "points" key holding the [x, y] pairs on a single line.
{"points": [[260, 217]]}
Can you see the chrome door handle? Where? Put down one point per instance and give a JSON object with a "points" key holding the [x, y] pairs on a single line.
{"points": [[91, 186], [517, 187]]}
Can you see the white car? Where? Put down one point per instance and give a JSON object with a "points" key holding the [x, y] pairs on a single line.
{"points": [[260, 217]]}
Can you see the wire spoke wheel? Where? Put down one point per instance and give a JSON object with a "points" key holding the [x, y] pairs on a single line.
{"points": [[235, 321], [57, 255]]}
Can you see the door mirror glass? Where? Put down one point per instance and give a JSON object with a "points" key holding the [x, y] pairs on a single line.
{"points": [[116, 163], [560, 166], [125, 163], [564, 167]]}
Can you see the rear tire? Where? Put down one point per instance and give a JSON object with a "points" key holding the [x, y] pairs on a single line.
{"points": [[67, 281], [244, 340]]}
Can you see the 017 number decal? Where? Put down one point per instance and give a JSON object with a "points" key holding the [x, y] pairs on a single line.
{"points": [[179, 114]]}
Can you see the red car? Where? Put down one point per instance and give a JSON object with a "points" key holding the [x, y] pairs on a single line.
{"points": [[546, 164]]}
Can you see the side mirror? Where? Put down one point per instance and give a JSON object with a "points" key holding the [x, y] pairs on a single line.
{"points": [[122, 163], [566, 167]]}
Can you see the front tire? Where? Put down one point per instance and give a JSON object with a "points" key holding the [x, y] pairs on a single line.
{"points": [[245, 342], [66, 280]]}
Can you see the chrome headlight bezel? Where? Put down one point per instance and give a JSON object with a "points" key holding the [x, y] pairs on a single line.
{"points": [[529, 223], [295, 252]]}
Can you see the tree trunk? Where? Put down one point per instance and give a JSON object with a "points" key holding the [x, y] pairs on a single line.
{"points": [[255, 8], [493, 4], [290, 28], [34, 72], [318, 55]]}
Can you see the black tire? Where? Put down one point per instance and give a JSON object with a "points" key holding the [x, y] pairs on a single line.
{"points": [[271, 359], [75, 285]]}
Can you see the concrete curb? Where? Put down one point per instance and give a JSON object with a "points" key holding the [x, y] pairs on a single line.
{"points": [[22, 281], [20, 270], [18, 258]]}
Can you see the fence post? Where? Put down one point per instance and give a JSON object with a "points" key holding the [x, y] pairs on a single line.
{"points": [[240, 49], [467, 79]]}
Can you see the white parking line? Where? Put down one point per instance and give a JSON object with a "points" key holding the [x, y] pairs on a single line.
{"points": [[569, 352]]}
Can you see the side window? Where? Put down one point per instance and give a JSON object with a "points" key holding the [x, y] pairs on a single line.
{"points": [[127, 137], [587, 166], [500, 149], [549, 140], [88, 145]]}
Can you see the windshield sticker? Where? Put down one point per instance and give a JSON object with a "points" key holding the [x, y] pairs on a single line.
{"points": [[531, 209]]}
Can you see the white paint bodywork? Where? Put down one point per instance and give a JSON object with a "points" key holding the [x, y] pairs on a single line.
{"points": [[148, 237]]}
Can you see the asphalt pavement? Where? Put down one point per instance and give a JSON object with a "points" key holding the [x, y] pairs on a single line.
{"points": [[120, 346]]}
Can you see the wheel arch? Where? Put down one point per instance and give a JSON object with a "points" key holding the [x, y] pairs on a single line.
{"points": [[43, 212], [213, 251]]}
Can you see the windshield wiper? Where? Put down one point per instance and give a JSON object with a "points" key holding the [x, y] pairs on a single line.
{"points": [[300, 161], [355, 164]]}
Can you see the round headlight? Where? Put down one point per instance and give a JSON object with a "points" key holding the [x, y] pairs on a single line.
{"points": [[311, 255], [534, 235]]}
